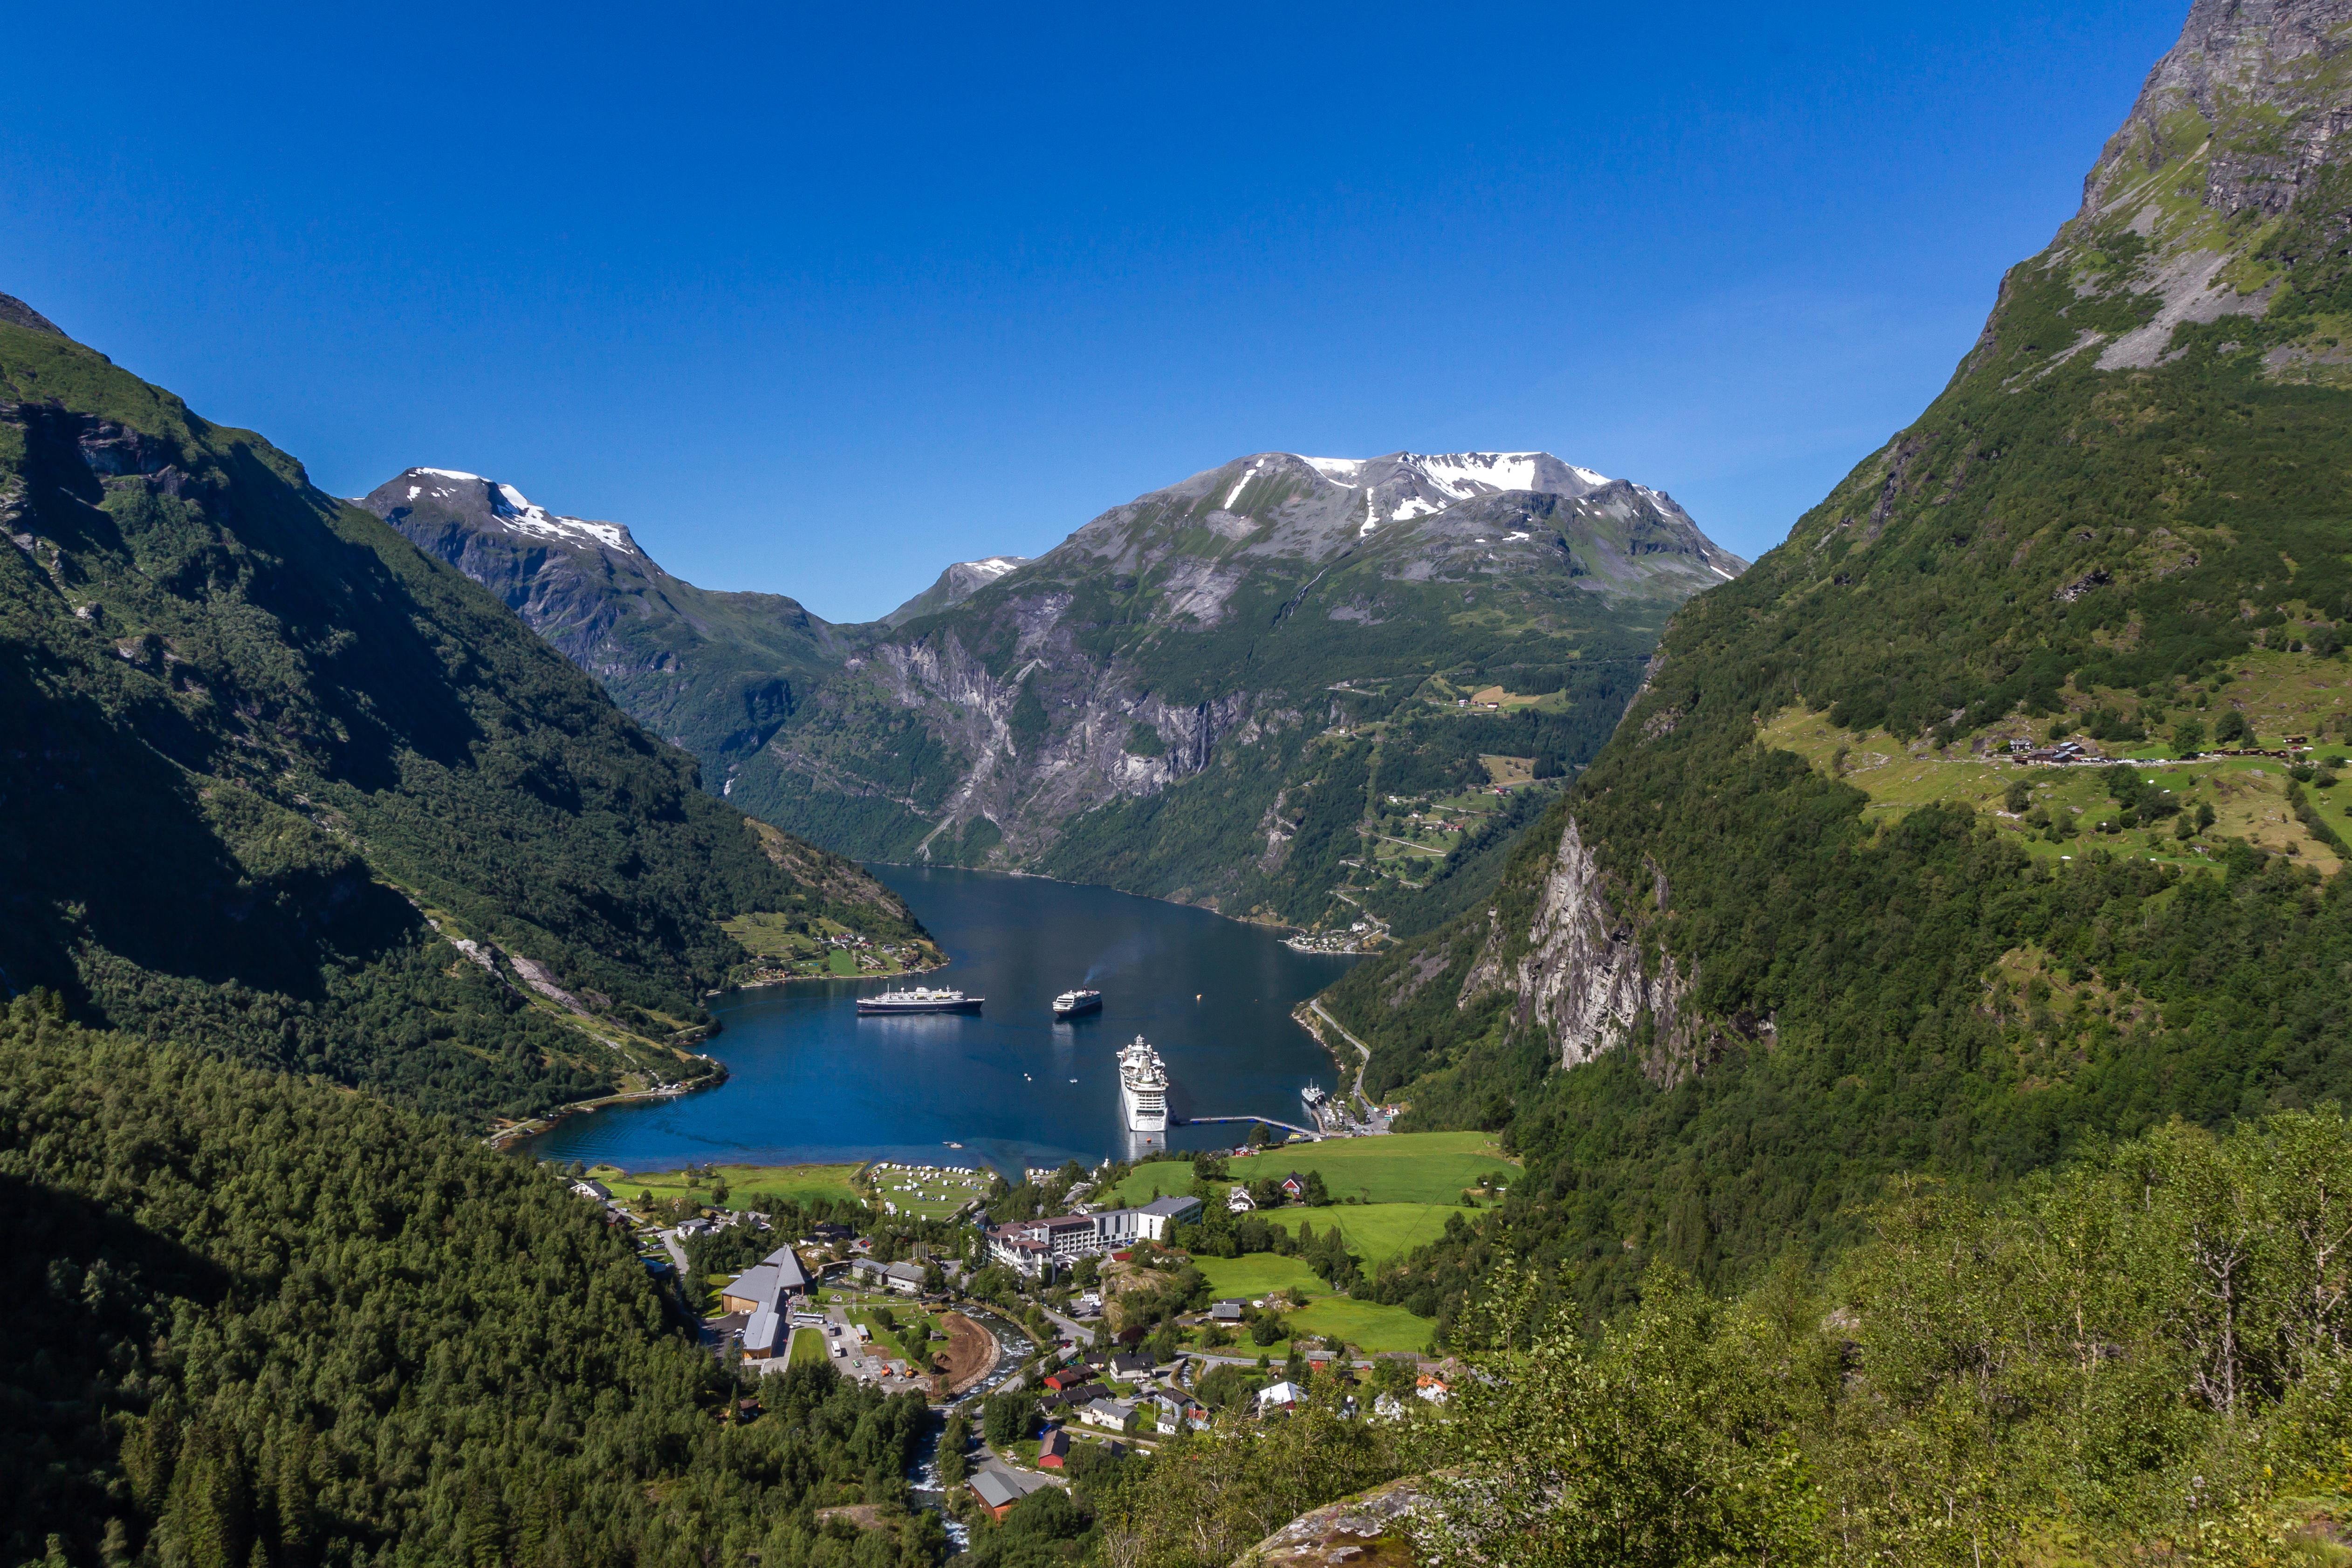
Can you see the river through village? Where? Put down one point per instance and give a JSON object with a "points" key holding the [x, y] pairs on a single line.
{"points": [[811, 1081]]}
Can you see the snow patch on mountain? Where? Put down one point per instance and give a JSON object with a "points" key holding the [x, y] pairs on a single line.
{"points": [[1251, 473], [1467, 474], [515, 509], [1457, 475], [995, 566]]}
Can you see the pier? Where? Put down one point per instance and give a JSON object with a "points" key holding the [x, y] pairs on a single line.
{"points": [[1286, 1127]]}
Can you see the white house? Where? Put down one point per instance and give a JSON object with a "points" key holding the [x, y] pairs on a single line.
{"points": [[1282, 1395], [1110, 1412]]}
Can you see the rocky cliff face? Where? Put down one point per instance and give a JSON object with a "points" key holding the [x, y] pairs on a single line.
{"points": [[1213, 637], [2222, 186], [1585, 973]]}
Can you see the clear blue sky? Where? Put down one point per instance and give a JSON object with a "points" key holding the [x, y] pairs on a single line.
{"points": [[819, 299]]}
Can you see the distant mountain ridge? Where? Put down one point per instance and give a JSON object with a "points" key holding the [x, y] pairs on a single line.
{"points": [[1203, 620], [716, 673], [955, 585], [1147, 705]]}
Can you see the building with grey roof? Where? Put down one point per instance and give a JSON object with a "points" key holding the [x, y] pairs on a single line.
{"points": [[765, 1293]]}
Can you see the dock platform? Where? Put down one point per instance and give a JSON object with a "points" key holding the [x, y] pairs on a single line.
{"points": [[1286, 1127]]}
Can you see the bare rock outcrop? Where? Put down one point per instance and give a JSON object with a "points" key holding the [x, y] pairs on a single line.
{"points": [[1587, 976], [1367, 1531]]}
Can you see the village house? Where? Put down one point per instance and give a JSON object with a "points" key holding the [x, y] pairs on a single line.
{"points": [[999, 1488], [995, 1493], [1238, 1201], [1294, 1186], [907, 1279], [1110, 1412], [595, 1190], [1282, 1395], [1053, 1449]]}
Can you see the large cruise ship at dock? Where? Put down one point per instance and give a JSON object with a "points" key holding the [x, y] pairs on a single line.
{"points": [[921, 999], [1143, 1087]]}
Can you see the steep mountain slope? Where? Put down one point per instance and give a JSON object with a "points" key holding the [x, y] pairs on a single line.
{"points": [[714, 672], [1201, 694], [1773, 977], [278, 782]]}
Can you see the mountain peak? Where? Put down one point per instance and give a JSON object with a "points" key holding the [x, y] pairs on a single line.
{"points": [[953, 586], [1462, 475], [14, 312], [492, 505], [2220, 196]]}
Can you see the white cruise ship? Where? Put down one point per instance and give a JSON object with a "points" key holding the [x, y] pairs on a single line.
{"points": [[1143, 1087]]}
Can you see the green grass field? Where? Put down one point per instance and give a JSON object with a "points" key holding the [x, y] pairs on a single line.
{"points": [[1369, 1327], [748, 1186], [1376, 1232], [809, 1347], [1381, 1231], [2282, 693], [1404, 1168], [1255, 1273]]}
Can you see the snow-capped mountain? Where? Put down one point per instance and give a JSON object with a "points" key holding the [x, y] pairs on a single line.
{"points": [[1151, 703], [1405, 485], [1628, 537], [492, 508], [715, 672], [1189, 643]]}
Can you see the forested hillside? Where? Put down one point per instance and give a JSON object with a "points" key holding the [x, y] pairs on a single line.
{"points": [[1725, 990], [278, 783], [236, 1335]]}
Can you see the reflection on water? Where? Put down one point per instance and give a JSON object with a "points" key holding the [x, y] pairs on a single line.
{"points": [[811, 1081]]}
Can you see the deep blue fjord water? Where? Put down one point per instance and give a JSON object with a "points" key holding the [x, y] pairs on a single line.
{"points": [[811, 1082]]}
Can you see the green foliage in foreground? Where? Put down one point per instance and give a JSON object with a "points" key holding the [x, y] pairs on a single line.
{"points": [[2148, 1350], [251, 1322]]}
